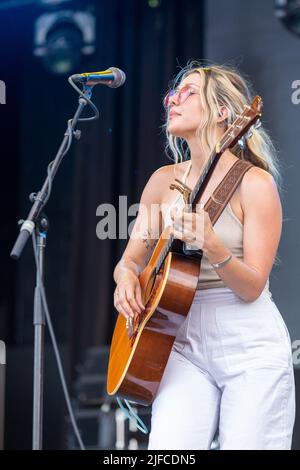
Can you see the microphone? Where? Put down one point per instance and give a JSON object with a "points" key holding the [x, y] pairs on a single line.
{"points": [[111, 77]]}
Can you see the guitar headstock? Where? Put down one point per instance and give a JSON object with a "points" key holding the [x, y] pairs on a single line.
{"points": [[241, 125]]}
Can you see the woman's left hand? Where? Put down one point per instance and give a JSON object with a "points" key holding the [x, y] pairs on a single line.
{"points": [[194, 228]]}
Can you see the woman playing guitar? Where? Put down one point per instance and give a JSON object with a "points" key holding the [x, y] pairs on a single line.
{"points": [[230, 369]]}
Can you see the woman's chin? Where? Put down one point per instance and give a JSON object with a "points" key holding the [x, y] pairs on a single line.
{"points": [[176, 131]]}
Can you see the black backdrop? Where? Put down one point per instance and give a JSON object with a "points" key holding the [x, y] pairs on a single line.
{"points": [[146, 44], [116, 156]]}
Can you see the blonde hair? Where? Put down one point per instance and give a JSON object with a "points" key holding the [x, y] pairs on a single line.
{"points": [[223, 85]]}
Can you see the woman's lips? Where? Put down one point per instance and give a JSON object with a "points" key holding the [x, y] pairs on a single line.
{"points": [[171, 115]]}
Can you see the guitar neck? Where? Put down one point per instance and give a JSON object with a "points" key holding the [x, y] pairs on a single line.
{"points": [[166, 241], [203, 179]]}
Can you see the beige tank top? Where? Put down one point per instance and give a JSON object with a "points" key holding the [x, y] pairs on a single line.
{"points": [[228, 228]]}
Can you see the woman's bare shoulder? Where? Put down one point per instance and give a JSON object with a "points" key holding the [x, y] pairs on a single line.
{"points": [[164, 175], [170, 171], [258, 184], [170, 167], [256, 178]]}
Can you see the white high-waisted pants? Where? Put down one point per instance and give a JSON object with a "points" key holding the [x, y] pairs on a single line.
{"points": [[230, 370]]}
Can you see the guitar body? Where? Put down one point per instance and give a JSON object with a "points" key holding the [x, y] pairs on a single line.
{"points": [[137, 363]]}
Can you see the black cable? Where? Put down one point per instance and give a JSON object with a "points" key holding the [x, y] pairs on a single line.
{"points": [[70, 132], [93, 106]]}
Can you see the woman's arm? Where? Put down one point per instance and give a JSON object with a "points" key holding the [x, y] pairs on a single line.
{"points": [[146, 229], [262, 230]]}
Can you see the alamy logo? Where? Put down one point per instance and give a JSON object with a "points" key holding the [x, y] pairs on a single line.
{"points": [[296, 94], [2, 92]]}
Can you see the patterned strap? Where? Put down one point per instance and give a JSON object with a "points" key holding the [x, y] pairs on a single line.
{"points": [[224, 191]]}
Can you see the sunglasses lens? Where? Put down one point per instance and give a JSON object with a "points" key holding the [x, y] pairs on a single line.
{"points": [[183, 94], [167, 98]]}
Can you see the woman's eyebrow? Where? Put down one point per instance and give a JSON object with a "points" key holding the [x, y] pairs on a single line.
{"points": [[188, 84]]}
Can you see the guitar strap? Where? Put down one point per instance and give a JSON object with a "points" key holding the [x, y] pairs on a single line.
{"points": [[220, 198], [224, 191]]}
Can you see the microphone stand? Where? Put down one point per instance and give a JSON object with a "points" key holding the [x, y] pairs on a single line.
{"points": [[39, 329], [38, 225]]}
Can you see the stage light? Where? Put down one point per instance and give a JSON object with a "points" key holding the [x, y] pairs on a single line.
{"points": [[23, 3], [62, 37], [288, 11], [154, 3]]}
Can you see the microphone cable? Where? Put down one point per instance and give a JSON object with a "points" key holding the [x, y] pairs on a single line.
{"points": [[69, 132]]}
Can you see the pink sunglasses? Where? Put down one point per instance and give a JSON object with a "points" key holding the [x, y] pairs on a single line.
{"points": [[182, 95]]}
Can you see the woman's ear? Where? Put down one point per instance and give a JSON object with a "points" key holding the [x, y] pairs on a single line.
{"points": [[223, 115]]}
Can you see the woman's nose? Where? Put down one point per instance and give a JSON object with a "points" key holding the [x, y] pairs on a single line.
{"points": [[174, 99]]}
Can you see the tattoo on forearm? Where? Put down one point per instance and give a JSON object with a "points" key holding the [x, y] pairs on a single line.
{"points": [[149, 239]]}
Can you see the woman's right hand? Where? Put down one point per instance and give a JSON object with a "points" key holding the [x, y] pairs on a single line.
{"points": [[128, 295]]}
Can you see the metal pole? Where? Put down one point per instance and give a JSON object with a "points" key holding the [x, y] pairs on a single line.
{"points": [[39, 332]]}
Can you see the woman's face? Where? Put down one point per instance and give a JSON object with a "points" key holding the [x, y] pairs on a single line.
{"points": [[184, 118]]}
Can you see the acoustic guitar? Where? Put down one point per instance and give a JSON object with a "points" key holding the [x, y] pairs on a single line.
{"points": [[139, 353]]}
